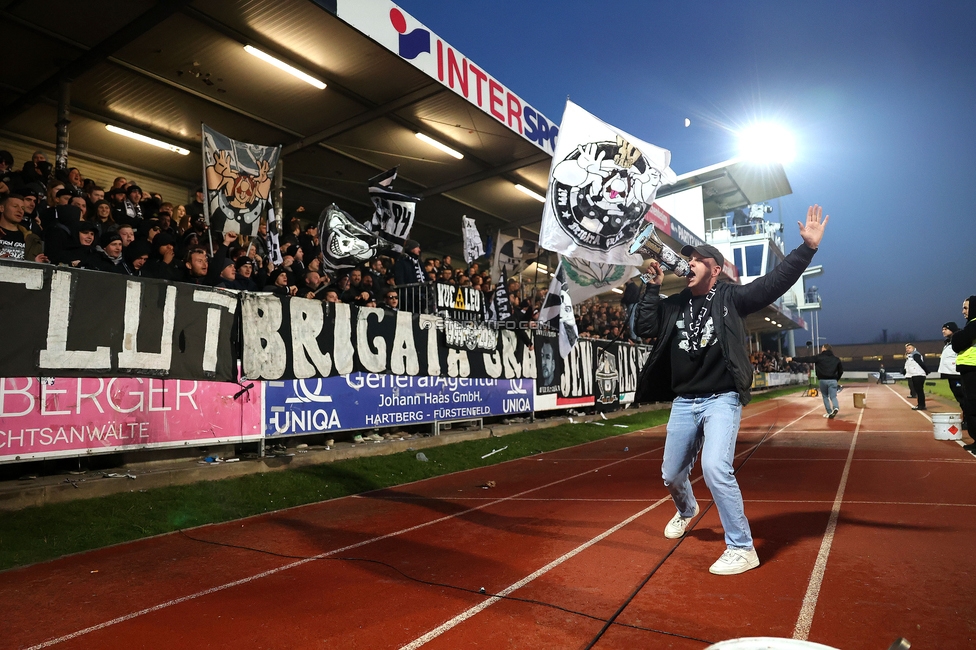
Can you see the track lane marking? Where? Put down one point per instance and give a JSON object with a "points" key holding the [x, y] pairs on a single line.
{"points": [[805, 619]]}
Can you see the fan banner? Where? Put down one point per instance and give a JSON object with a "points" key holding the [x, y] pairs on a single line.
{"points": [[237, 180], [601, 184]]}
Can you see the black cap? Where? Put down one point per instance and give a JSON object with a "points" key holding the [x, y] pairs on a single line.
{"points": [[86, 226], [410, 244], [110, 237], [705, 251], [951, 326]]}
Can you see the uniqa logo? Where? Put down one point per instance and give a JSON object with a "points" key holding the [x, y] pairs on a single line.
{"points": [[412, 43]]}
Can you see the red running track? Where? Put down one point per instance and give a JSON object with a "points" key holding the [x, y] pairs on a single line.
{"points": [[865, 526]]}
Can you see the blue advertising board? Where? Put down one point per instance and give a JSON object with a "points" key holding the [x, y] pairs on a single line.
{"points": [[366, 400]]}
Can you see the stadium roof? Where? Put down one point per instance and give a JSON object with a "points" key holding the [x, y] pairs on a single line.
{"points": [[160, 69]]}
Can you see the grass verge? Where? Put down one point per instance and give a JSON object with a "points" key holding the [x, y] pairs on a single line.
{"points": [[50, 531]]}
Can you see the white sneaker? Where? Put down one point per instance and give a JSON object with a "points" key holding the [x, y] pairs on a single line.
{"points": [[825, 415], [734, 561], [678, 524]]}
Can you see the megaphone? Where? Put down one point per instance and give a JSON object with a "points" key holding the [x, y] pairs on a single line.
{"points": [[649, 246]]}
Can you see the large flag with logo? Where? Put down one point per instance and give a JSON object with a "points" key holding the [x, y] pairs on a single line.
{"points": [[586, 279], [512, 254], [557, 312], [601, 183], [394, 212], [237, 181]]}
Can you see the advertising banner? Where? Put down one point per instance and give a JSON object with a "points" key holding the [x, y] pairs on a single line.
{"points": [[48, 418], [367, 400], [399, 32]]}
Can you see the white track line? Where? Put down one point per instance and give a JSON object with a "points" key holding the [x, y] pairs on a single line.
{"points": [[465, 615], [805, 620]]}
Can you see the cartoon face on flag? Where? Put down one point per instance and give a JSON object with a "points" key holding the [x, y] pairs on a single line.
{"points": [[344, 242], [394, 212], [601, 184], [237, 179]]}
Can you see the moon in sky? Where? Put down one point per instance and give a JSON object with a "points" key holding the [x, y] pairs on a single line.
{"points": [[687, 122]]}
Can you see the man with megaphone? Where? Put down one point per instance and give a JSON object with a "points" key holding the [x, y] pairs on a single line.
{"points": [[700, 361]]}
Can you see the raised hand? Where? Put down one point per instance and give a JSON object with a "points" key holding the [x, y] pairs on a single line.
{"points": [[812, 231]]}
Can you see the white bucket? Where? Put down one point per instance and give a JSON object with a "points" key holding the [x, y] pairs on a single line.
{"points": [[767, 643], [947, 426]]}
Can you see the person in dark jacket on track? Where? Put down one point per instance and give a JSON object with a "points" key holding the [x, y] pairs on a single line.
{"points": [[829, 371], [700, 361]]}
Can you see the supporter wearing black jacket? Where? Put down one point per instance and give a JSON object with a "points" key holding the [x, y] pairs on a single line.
{"points": [[829, 371]]}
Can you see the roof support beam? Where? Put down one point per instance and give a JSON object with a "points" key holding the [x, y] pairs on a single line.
{"points": [[486, 174]]}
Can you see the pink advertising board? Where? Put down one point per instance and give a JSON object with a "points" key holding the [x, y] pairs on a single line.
{"points": [[48, 417]]}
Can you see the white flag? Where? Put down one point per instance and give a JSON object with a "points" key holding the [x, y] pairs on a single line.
{"points": [[601, 184], [557, 312], [473, 246], [587, 279]]}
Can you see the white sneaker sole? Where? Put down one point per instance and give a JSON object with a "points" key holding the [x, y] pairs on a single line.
{"points": [[669, 534]]}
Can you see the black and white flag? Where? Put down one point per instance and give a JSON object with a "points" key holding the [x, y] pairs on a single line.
{"points": [[499, 307], [557, 312], [346, 243], [273, 243], [237, 180], [473, 246], [601, 184], [394, 212], [512, 254]]}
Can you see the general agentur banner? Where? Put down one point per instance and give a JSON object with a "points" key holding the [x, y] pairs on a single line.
{"points": [[367, 400], [49, 418], [65, 322]]}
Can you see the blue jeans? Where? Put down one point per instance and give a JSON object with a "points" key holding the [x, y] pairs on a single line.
{"points": [[828, 391], [708, 424]]}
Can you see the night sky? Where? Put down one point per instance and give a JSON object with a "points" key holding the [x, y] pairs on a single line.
{"points": [[880, 96]]}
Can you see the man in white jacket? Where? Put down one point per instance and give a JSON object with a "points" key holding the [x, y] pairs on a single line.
{"points": [[916, 372]]}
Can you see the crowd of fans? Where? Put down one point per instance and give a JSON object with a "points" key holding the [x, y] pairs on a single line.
{"points": [[770, 361], [60, 217]]}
